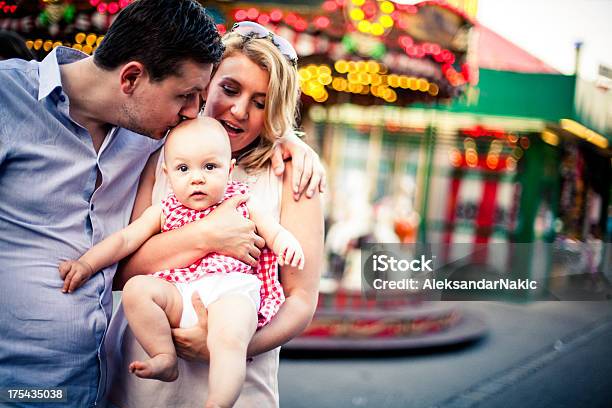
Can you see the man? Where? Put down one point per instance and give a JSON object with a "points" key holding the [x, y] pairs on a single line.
{"points": [[71, 153]]}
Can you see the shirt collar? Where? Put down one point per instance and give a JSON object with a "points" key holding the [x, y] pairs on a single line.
{"points": [[49, 72]]}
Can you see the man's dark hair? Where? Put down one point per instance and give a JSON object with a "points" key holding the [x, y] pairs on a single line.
{"points": [[160, 34], [13, 46]]}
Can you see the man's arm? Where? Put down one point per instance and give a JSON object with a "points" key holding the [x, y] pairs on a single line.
{"points": [[308, 174]]}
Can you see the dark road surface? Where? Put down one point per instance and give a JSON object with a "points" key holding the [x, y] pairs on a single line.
{"points": [[541, 354]]}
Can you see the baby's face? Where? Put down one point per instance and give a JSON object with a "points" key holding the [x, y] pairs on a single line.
{"points": [[198, 163]]}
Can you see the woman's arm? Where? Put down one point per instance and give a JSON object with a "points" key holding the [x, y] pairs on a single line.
{"points": [[304, 219], [301, 286], [224, 230]]}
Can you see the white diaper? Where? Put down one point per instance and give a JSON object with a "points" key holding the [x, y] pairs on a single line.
{"points": [[213, 286]]}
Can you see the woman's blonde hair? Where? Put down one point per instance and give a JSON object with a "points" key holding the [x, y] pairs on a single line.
{"points": [[282, 96]]}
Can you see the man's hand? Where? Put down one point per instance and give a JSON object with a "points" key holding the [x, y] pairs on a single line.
{"points": [[190, 343], [231, 234], [288, 250], [74, 274], [308, 172]]}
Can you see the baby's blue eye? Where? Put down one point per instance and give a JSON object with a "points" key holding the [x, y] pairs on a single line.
{"points": [[183, 168], [210, 166]]}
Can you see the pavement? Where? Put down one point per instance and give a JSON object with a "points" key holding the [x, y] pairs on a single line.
{"points": [[538, 354]]}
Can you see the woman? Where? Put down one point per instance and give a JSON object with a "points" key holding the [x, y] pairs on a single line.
{"points": [[253, 93]]}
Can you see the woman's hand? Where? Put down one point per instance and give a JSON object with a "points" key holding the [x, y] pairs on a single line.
{"points": [[224, 231], [190, 343], [230, 234], [308, 172]]}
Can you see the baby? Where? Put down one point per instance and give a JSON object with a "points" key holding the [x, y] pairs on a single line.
{"points": [[198, 164]]}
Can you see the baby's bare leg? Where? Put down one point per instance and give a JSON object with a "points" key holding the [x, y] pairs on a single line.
{"points": [[152, 306], [232, 321]]}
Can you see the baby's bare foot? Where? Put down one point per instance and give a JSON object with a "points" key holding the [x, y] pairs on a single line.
{"points": [[162, 367]]}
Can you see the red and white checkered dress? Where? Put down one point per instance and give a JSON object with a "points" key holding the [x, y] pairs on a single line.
{"points": [[271, 293]]}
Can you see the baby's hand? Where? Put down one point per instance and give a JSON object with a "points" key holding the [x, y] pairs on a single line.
{"points": [[288, 250], [74, 274]]}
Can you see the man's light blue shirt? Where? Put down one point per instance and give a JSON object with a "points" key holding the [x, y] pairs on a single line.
{"points": [[50, 211]]}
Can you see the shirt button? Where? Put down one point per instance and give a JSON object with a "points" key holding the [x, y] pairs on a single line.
{"points": [[62, 98]]}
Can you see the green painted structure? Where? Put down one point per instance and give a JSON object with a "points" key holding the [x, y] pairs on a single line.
{"points": [[502, 93]]}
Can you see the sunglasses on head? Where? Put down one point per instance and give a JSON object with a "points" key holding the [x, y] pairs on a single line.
{"points": [[249, 29]]}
